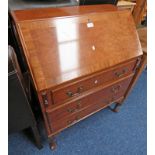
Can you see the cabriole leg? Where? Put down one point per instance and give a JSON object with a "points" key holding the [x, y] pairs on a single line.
{"points": [[117, 106], [52, 143]]}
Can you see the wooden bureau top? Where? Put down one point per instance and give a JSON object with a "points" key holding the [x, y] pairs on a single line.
{"points": [[60, 49], [42, 13]]}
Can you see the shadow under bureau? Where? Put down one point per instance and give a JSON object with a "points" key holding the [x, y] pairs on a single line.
{"points": [[81, 60]]}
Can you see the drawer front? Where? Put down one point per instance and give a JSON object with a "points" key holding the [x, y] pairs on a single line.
{"points": [[71, 90], [102, 97]]}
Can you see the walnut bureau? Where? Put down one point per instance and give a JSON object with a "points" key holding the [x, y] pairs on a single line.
{"points": [[81, 60]]}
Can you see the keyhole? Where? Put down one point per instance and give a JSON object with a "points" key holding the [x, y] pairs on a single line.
{"points": [[96, 81]]}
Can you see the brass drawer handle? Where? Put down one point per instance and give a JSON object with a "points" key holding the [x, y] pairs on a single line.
{"points": [[80, 89], [120, 74], [71, 110], [78, 106], [71, 94], [71, 122], [116, 89]]}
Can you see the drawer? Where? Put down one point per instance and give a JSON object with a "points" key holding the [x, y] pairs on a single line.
{"points": [[69, 91], [103, 95]]}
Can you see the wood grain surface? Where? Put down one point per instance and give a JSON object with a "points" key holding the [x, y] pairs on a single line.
{"points": [[62, 49], [42, 13]]}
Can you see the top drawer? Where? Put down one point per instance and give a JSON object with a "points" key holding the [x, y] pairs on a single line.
{"points": [[68, 91]]}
